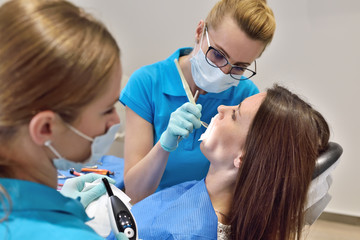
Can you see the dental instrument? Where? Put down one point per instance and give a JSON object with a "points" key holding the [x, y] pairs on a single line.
{"points": [[189, 95], [195, 97], [98, 171], [60, 175], [74, 172], [121, 219]]}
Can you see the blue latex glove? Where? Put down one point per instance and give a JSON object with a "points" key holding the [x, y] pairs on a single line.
{"points": [[182, 122], [121, 236], [73, 188]]}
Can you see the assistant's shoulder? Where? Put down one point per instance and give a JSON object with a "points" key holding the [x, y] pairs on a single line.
{"points": [[41, 229]]}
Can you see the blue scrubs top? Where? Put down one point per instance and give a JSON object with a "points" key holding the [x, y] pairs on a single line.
{"points": [[155, 91], [180, 212], [40, 212]]}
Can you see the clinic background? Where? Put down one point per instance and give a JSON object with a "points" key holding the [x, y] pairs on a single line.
{"points": [[314, 52]]}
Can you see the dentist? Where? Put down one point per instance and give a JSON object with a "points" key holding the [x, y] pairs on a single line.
{"points": [[162, 127]]}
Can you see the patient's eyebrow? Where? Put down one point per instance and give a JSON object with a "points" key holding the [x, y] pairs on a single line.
{"points": [[233, 114], [113, 103]]}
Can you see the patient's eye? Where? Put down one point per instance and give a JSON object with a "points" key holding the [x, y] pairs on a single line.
{"points": [[233, 116], [110, 111], [234, 112]]}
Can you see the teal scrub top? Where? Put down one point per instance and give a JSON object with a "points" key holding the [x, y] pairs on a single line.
{"points": [[155, 91], [40, 212]]}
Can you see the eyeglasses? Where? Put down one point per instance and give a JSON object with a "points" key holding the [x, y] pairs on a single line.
{"points": [[217, 59]]}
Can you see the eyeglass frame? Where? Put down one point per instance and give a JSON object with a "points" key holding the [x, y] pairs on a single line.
{"points": [[227, 61]]}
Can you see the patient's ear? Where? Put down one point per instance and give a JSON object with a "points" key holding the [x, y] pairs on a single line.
{"points": [[41, 127], [238, 161]]}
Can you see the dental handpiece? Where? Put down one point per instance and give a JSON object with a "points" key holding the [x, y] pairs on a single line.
{"points": [[121, 219]]}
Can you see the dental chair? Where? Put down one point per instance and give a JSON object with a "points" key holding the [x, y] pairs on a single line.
{"points": [[318, 196]]}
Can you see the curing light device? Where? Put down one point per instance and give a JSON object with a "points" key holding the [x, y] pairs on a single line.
{"points": [[121, 219]]}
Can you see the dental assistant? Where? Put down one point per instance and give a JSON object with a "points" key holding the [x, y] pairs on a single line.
{"points": [[60, 75], [162, 127]]}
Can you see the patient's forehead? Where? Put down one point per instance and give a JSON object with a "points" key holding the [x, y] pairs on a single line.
{"points": [[254, 101]]}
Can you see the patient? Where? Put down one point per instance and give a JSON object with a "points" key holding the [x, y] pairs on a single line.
{"points": [[262, 155]]}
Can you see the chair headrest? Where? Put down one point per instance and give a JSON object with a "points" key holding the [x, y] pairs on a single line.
{"points": [[327, 158]]}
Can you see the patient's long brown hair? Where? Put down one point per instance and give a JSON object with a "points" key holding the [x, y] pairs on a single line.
{"points": [[283, 143]]}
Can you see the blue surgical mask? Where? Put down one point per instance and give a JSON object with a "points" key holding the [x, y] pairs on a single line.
{"points": [[209, 78], [99, 146]]}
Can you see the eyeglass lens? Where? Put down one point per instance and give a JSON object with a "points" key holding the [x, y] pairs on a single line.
{"points": [[217, 59]]}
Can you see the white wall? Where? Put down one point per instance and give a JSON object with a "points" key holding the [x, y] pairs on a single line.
{"points": [[315, 52], [149, 31]]}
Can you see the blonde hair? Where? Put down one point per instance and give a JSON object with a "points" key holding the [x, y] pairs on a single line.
{"points": [[53, 56], [254, 17]]}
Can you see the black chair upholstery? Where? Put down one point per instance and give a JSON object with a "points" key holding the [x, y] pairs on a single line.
{"points": [[318, 196], [327, 159]]}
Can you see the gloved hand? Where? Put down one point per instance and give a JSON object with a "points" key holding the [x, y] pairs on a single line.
{"points": [[121, 236], [73, 188], [182, 122]]}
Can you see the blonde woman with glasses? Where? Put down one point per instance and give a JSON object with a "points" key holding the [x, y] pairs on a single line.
{"points": [[162, 127]]}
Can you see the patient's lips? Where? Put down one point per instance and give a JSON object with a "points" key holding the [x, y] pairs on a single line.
{"points": [[208, 131]]}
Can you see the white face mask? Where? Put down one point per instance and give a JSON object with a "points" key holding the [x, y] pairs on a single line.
{"points": [[209, 78], [100, 145]]}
